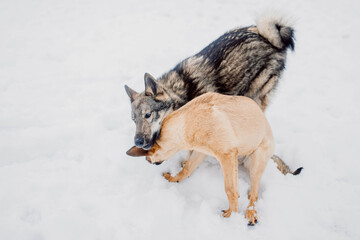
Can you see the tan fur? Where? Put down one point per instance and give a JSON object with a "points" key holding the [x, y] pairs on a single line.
{"points": [[224, 127], [283, 167], [253, 29]]}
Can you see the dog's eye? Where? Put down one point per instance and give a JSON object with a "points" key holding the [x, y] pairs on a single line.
{"points": [[148, 115]]}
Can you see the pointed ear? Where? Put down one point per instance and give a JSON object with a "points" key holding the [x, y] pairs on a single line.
{"points": [[131, 93], [137, 152], [151, 87]]}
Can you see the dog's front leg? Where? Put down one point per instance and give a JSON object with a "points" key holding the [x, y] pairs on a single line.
{"points": [[193, 161], [191, 152], [229, 164]]}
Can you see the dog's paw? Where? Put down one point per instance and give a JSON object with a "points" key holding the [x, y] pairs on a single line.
{"points": [[227, 213], [168, 177], [251, 215], [183, 163], [252, 224]]}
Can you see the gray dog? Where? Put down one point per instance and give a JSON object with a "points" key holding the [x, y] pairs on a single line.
{"points": [[245, 61]]}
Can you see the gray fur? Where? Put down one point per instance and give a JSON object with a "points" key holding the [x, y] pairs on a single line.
{"points": [[244, 61]]}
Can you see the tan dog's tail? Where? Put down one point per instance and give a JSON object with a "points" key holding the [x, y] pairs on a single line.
{"points": [[281, 165]]}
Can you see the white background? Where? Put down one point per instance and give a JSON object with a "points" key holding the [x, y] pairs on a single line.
{"points": [[65, 123]]}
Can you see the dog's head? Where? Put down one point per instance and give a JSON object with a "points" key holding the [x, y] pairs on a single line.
{"points": [[148, 110], [152, 155]]}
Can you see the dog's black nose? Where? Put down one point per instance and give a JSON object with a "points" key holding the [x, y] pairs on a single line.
{"points": [[139, 142]]}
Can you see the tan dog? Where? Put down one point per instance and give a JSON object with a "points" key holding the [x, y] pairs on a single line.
{"points": [[229, 128]]}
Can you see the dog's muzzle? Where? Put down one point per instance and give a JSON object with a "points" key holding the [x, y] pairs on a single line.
{"points": [[156, 163]]}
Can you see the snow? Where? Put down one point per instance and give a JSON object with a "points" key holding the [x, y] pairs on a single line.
{"points": [[65, 123]]}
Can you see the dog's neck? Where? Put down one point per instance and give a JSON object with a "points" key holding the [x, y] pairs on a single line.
{"points": [[172, 131], [174, 86]]}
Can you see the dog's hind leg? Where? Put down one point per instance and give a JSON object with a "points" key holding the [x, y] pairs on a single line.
{"points": [[256, 164], [266, 90], [193, 161], [229, 165]]}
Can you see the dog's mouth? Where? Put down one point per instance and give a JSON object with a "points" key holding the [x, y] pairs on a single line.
{"points": [[152, 141], [148, 146]]}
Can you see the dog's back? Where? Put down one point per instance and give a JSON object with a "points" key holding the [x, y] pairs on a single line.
{"points": [[219, 123]]}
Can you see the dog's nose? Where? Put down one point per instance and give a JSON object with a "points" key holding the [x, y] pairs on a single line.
{"points": [[139, 142]]}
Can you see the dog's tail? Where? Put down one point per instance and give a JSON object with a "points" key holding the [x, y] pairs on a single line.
{"points": [[283, 168], [279, 33]]}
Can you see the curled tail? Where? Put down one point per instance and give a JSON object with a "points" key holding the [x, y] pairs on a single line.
{"points": [[281, 165], [279, 33]]}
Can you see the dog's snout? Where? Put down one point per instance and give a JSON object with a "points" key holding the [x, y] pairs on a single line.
{"points": [[149, 160], [139, 141]]}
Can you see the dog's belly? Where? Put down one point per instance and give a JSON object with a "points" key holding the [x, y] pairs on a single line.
{"points": [[242, 159]]}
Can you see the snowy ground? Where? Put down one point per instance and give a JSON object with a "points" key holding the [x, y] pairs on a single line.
{"points": [[65, 123]]}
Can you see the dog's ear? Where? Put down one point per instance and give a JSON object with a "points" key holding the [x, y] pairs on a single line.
{"points": [[131, 93], [151, 87], [137, 152]]}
